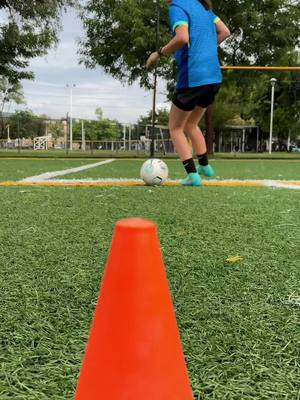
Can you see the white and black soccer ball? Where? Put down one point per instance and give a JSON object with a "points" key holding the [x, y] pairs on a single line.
{"points": [[154, 172]]}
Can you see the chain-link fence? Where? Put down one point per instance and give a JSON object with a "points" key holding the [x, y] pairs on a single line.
{"points": [[138, 147]]}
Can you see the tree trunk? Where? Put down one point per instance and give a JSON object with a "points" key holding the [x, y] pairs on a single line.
{"points": [[209, 137]]}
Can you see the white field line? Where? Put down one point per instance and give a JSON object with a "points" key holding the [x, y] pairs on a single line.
{"points": [[49, 175], [100, 180], [283, 184]]}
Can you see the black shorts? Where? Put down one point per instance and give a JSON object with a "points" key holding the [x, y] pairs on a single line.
{"points": [[199, 96]]}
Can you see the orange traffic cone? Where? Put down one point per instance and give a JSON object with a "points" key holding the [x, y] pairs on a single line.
{"points": [[134, 350]]}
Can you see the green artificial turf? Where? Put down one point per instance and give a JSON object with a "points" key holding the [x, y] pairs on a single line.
{"points": [[239, 327], [16, 169], [135, 154], [225, 169]]}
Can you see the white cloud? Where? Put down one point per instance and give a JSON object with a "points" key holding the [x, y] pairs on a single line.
{"points": [[117, 102], [62, 57]]}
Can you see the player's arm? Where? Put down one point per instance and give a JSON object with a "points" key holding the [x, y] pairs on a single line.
{"points": [[179, 21], [223, 31], [180, 39]]}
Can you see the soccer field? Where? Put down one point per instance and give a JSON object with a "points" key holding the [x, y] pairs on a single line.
{"points": [[239, 323]]}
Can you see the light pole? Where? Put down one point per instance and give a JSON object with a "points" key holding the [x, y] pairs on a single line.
{"points": [[273, 82], [71, 86], [124, 136], [8, 137], [82, 135]]}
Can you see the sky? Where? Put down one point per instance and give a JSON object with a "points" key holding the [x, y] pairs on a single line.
{"points": [[48, 93]]}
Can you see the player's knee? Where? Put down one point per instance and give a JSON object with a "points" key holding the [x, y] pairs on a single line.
{"points": [[175, 131], [190, 126], [175, 126]]}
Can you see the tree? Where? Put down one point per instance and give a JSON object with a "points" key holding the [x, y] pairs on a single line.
{"points": [[26, 124], [9, 93], [99, 113], [264, 31], [161, 118], [29, 31], [226, 106], [120, 34], [98, 130], [56, 129], [286, 104], [108, 129]]}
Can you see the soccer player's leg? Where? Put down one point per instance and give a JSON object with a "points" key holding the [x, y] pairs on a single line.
{"points": [[177, 120], [194, 132]]}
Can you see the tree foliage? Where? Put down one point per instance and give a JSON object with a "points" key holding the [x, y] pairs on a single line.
{"points": [[161, 117], [286, 104], [98, 130], [56, 129], [121, 33], [9, 93], [26, 124], [263, 31], [29, 30]]}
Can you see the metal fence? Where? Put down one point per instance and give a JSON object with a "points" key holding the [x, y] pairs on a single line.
{"points": [[104, 146], [230, 141]]}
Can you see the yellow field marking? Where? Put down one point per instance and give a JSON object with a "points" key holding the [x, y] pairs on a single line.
{"points": [[234, 183], [261, 68], [131, 183], [75, 184]]}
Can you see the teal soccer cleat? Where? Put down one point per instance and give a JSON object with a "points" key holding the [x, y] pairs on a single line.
{"points": [[206, 170], [193, 179]]}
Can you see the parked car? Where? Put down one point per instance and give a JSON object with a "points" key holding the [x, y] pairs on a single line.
{"points": [[294, 149]]}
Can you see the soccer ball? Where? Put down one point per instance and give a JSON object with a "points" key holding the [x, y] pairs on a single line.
{"points": [[154, 172]]}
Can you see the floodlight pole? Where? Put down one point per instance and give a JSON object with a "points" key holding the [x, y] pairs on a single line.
{"points": [[71, 86], [8, 137], [66, 134], [82, 136], [155, 82], [273, 82]]}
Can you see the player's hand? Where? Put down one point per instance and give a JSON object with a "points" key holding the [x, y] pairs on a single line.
{"points": [[153, 58]]}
